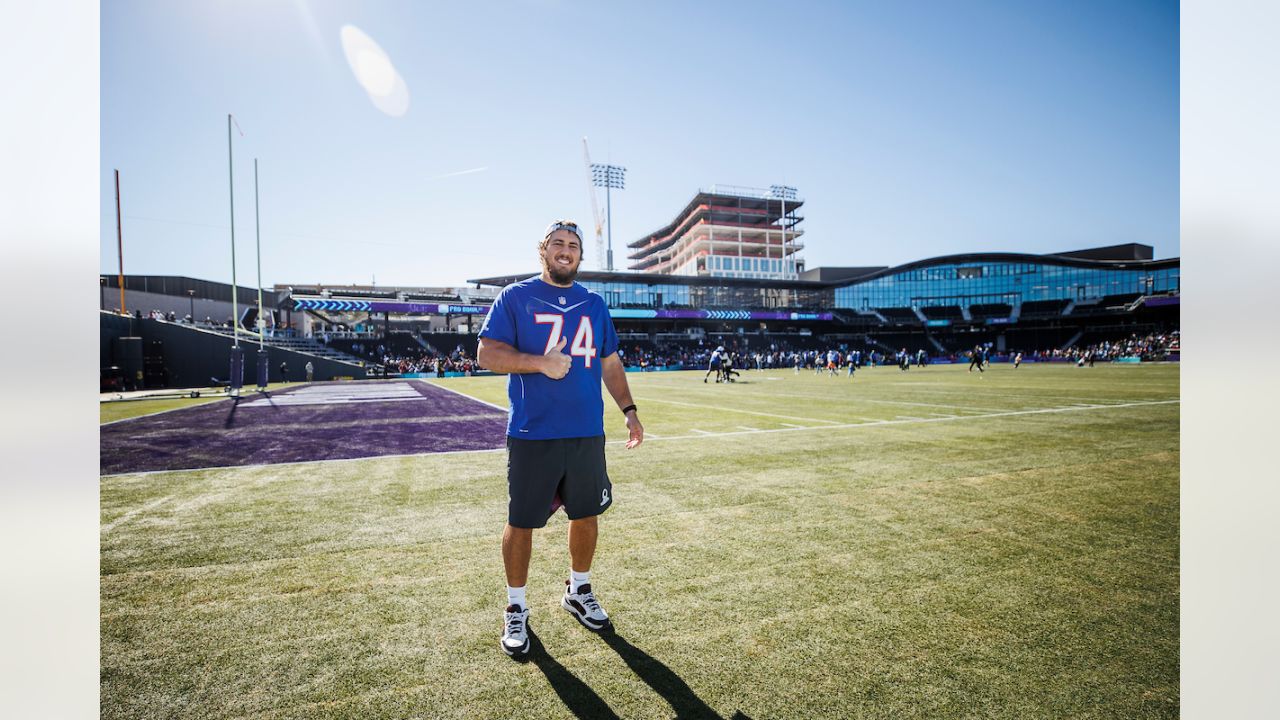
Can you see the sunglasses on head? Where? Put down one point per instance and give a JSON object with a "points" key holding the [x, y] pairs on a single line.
{"points": [[564, 225]]}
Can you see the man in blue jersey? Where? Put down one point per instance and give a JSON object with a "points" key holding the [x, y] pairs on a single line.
{"points": [[714, 364], [557, 341]]}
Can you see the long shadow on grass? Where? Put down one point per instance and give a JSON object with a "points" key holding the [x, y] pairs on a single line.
{"points": [[666, 683], [584, 702], [578, 696]]}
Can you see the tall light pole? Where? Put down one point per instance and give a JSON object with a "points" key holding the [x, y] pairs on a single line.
{"points": [[191, 295], [608, 177], [262, 324], [120, 246], [784, 193], [237, 355]]}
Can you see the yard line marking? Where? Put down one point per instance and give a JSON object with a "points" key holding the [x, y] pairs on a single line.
{"points": [[651, 436], [701, 434], [908, 417], [134, 513], [744, 427], [1038, 411], [455, 392], [936, 405], [941, 415], [792, 426], [736, 410], [856, 398]]}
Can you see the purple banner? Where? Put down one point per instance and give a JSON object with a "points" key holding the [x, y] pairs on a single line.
{"points": [[628, 313]]}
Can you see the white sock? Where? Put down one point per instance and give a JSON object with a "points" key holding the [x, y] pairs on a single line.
{"points": [[578, 579], [515, 596]]}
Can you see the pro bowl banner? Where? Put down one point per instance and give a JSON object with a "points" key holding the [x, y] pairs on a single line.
{"points": [[620, 313], [631, 314], [387, 306]]}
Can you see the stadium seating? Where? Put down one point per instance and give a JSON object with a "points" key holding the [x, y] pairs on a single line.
{"points": [[991, 310], [447, 342], [1040, 309], [900, 316]]}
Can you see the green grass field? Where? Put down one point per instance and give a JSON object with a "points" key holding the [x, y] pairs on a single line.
{"points": [[931, 544]]}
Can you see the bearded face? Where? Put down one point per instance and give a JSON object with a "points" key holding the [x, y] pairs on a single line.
{"points": [[561, 257]]}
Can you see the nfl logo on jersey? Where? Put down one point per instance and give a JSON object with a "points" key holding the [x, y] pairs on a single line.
{"points": [[562, 300]]}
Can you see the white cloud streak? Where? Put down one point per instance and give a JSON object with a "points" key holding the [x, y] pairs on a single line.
{"points": [[460, 172]]}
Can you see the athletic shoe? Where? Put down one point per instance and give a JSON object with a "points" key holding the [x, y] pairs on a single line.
{"points": [[583, 607], [515, 636]]}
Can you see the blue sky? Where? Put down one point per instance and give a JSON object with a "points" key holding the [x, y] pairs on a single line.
{"points": [[910, 129]]}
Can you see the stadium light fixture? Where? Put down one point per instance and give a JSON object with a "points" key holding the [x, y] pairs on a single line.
{"points": [[783, 193], [609, 177]]}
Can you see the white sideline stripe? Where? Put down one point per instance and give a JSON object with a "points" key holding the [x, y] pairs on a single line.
{"points": [[701, 435], [941, 415], [736, 410], [455, 392], [302, 462], [134, 513], [161, 412], [908, 417], [744, 427], [791, 426]]}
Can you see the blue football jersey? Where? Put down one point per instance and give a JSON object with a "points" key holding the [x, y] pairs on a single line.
{"points": [[532, 316]]}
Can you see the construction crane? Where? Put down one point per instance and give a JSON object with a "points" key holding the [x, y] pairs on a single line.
{"points": [[595, 208]]}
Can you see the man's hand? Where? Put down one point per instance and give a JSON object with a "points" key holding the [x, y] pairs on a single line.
{"points": [[636, 430], [555, 363]]}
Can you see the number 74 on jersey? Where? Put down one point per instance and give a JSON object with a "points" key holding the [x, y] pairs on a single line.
{"points": [[584, 340]]}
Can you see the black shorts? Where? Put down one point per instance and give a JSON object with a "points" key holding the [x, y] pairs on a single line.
{"points": [[538, 470]]}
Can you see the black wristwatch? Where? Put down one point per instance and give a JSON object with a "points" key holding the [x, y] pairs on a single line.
{"points": [[628, 409]]}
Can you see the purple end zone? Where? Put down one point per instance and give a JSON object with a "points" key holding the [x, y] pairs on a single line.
{"points": [[323, 421]]}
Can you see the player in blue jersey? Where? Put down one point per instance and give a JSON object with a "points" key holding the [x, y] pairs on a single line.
{"points": [[714, 365], [556, 340]]}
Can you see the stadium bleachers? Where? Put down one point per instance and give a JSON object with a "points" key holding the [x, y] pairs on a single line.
{"points": [[991, 310], [1039, 309], [900, 316], [448, 342], [943, 312]]}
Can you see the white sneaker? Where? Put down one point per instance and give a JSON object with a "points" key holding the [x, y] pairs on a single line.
{"points": [[583, 607], [515, 636]]}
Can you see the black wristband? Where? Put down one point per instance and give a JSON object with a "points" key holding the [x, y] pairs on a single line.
{"points": [[628, 409]]}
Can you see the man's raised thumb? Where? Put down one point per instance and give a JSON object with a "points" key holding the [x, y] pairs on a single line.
{"points": [[559, 346]]}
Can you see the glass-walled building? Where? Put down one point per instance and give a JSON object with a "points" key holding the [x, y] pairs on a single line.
{"points": [[978, 288], [636, 290], [1007, 278]]}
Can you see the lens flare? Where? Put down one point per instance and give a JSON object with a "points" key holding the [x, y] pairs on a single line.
{"points": [[375, 72]]}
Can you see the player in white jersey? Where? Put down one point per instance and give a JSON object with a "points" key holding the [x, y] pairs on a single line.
{"points": [[714, 365]]}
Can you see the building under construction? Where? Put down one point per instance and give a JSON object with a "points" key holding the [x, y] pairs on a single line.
{"points": [[728, 231]]}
